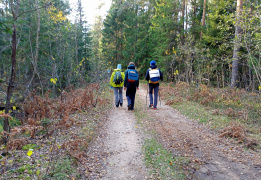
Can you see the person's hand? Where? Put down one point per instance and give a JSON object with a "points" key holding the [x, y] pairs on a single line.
{"points": [[137, 88], [125, 88]]}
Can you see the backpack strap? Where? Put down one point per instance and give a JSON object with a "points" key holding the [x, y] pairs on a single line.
{"points": [[153, 69]]}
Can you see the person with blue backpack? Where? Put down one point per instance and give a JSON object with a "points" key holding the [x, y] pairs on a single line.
{"points": [[153, 75], [117, 82], [131, 83]]}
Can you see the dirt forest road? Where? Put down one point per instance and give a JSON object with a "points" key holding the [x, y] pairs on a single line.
{"points": [[119, 147], [117, 152]]}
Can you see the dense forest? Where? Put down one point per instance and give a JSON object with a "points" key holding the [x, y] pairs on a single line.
{"points": [[54, 90], [216, 43], [196, 41]]}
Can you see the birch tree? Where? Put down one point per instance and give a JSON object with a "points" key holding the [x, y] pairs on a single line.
{"points": [[237, 41], [203, 18], [36, 56]]}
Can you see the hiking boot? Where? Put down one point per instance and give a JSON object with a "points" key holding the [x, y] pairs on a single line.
{"points": [[117, 105], [151, 105], [121, 104], [129, 107], [155, 108]]}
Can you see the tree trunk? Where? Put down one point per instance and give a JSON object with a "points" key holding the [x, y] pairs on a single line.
{"points": [[236, 45], [223, 76], [186, 16], [76, 44], [35, 58], [80, 11], [203, 18], [12, 80], [13, 68], [183, 21], [136, 32], [194, 14], [187, 72]]}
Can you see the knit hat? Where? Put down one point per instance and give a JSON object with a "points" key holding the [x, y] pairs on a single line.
{"points": [[153, 62], [119, 66]]}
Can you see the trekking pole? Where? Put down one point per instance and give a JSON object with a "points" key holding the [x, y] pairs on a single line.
{"points": [[159, 97], [147, 95]]}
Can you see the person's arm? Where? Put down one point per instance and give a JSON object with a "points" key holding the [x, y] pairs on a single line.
{"points": [[112, 76], [138, 82], [125, 78], [147, 77], [161, 75]]}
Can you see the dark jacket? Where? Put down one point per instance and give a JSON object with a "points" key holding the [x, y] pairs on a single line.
{"points": [[128, 84], [148, 74]]}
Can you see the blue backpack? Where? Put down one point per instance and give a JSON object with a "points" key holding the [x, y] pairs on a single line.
{"points": [[133, 76]]}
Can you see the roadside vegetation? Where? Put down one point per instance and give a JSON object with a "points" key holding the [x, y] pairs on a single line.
{"points": [[49, 137], [233, 113], [161, 162]]}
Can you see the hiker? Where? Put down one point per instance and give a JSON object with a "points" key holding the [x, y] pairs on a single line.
{"points": [[153, 75], [131, 83], [117, 81]]}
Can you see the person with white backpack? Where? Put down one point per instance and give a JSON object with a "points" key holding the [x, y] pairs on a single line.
{"points": [[153, 75]]}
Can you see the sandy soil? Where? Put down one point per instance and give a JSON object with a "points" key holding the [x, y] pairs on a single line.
{"points": [[124, 146], [118, 149], [116, 153]]}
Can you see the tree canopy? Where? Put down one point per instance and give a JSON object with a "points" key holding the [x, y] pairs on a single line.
{"points": [[191, 40]]}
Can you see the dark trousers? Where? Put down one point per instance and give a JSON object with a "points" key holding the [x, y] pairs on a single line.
{"points": [[154, 87], [130, 94]]}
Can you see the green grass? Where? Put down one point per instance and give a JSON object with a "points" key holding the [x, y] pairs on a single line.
{"points": [[30, 146], [12, 123], [199, 113], [163, 164], [62, 169], [245, 107], [143, 119]]}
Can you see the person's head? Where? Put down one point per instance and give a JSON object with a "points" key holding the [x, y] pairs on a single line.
{"points": [[131, 63], [119, 66], [152, 63]]}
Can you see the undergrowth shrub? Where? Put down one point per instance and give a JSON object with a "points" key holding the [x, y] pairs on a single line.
{"points": [[239, 132], [235, 131], [44, 113], [76, 148], [71, 100], [55, 127], [235, 103], [240, 107]]}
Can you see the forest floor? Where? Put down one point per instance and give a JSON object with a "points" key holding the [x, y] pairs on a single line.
{"points": [[118, 150]]}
